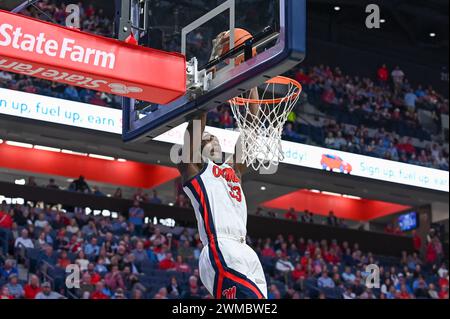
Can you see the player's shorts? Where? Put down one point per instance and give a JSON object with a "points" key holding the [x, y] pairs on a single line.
{"points": [[232, 270]]}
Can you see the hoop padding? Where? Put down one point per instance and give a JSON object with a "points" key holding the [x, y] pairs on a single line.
{"points": [[260, 133]]}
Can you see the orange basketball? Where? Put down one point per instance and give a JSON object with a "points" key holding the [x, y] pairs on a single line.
{"points": [[240, 36]]}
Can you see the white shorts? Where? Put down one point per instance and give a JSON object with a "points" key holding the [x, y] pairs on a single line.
{"points": [[232, 270]]}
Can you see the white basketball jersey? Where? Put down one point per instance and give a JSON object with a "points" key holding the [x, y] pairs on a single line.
{"points": [[219, 202]]}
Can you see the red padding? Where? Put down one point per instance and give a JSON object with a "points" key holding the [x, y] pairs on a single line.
{"points": [[52, 52]]}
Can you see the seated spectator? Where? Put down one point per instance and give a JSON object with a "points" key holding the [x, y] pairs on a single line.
{"points": [[23, 241], [432, 293], [82, 261], [8, 269], [14, 287], [173, 289], [48, 255], [63, 260], [118, 193], [348, 293], [348, 276], [47, 293], [92, 249], [443, 293], [4, 293], [155, 199], [331, 219], [52, 184], [284, 265], [167, 263], [181, 266], [291, 215], [32, 288], [324, 281], [114, 280], [99, 292]]}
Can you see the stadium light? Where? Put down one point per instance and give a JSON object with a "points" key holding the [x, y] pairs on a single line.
{"points": [[46, 148], [171, 204], [382, 20], [337, 8], [352, 197], [106, 158], [332, 194], [73, 153], [432, 35], [20, 181], [19, 144], [263, 188]]}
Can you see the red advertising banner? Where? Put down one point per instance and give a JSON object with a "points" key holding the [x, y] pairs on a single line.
{"points": [[52, 52]]}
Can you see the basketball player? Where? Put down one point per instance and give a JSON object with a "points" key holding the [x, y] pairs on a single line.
{"points": [[228, 267]]}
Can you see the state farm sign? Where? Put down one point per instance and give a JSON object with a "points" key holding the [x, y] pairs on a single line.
{"points": [[40, 49]]}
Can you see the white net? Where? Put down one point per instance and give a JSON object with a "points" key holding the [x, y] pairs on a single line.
{"points": [[261, 131]]}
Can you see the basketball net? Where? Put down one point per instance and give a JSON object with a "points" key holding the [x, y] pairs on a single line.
{"points": [[260, 134]]}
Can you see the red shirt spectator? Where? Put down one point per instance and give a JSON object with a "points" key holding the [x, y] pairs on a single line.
{"points": [[328, 96], [268, 251], [5, 220], [30, 291], [443, 293], [431, 255], [383, 73], [298, 273], [291, 214], [302, 77], [407, 147], [417, 241], [99, 295], [167, 263]]}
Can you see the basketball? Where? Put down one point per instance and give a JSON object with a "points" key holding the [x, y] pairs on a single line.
{"points": [[240, 37]]}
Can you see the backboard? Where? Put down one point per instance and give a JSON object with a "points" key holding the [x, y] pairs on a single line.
{"points": [[274, 43]]}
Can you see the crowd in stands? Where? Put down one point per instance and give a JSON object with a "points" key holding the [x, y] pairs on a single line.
{"points": [[127, 258], [375, 117]]}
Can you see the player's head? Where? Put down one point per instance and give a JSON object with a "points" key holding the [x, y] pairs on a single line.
{"points": [[211, 147], [221, 44]]}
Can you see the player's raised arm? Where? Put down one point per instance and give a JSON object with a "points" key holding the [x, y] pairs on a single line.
{"points": [[191, 157]]}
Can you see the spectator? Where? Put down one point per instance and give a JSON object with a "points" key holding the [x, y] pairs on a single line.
{"points": [[383, 75], [173, 289], [52, 184], [99, 292], [14, 287], [136, 217], [80, 185], [32, 288], [291, 215], [331, 219], [8, 269], [155, 199], [186, 251], [23, 241], [118, 193], [47, 293], [114, 279], [167, 263], [4, 293], [397, 77], [324, 281]]}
